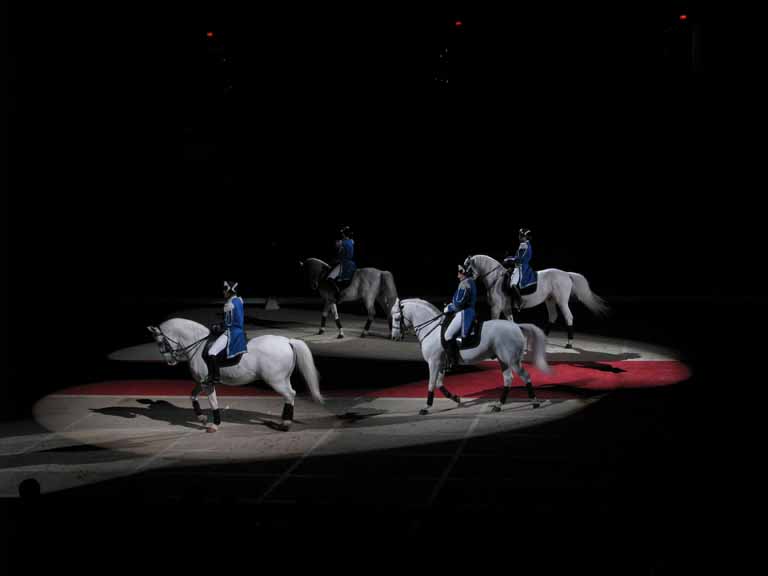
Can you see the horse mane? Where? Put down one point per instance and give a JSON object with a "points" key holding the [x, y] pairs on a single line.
{"points": [[320, 261], [493, 261], [183, 325], [423, 303]]}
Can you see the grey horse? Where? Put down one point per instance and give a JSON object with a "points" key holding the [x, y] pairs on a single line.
{"points": [[555, 288], [368, 284]]}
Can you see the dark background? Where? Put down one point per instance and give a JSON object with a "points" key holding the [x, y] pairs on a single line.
{"points": [[147, 169]]}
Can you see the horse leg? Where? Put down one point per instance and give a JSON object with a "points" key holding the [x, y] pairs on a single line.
{"points": [[214, 402], [338, 320], [508, 376], [371, 315], [566, 311], [285, 389], [447, 393], [196, 403], [433, 372], [523, 373], [551, 314], [324, 317]]}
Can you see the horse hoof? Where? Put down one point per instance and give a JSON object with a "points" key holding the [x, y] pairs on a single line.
{"points": [[340, 336], [211, 428], [363, 335], [423, 412], [569, 345], [537, 403], [286, 425], [321, 331], [495, 408], [457, 400]]}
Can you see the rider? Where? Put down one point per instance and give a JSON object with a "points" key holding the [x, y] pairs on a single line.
{"points": [[344, 265], [463, 304], [226, 345], [521, 261]]}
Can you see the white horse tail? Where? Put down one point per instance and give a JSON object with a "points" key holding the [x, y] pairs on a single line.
{"points": [[307, 367], [388, 291], [591, 300], [536, 335]]}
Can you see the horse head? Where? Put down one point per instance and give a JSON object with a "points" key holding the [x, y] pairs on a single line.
{"points": [[469, 264], [314, 270], [166, 348], [398, 320]]}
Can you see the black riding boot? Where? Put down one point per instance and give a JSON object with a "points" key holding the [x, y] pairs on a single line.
{"points": [[336, 289], [518, 303], [214, 374], [452, 354]]}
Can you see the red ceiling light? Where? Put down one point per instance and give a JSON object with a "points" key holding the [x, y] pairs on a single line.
{"points": [[683, 17], [459, 23], [209, 34]]}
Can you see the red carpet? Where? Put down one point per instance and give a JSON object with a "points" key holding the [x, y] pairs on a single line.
{"points": [[483, 382]]}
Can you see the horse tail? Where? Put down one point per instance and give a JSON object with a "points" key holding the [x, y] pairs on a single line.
{"points": [[388, 290], [535, 334], [596, 305], [307, 367]]}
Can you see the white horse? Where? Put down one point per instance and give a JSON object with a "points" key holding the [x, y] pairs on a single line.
{"points": [[368, 284], [269, 358], [499, 339], [554, 288]]}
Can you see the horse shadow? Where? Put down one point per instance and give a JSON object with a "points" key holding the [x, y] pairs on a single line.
{"points": [[589, 358], [164, 411]]}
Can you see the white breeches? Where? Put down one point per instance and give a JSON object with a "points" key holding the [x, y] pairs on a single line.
{"points": [[454, 328], [335, 271], [219, 345], [515, 276]]}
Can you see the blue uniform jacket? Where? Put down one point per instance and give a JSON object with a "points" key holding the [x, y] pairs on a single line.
{"points": [[234, 320], [465, 299], [347, 259], [523, 259]]}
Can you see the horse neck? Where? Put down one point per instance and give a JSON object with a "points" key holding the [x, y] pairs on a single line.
{"points": [[419, 312], [487, 268], [316, 267], [184, 331]]}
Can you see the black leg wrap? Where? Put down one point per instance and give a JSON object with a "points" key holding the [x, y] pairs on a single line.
{"points": [[529, 389], [367, 325], [570, 332], [217, 416], [548, 328], [447, 393], [196, 407], [504, 394], [338, 323], [430, 398], [288, 412], [323, 320]]}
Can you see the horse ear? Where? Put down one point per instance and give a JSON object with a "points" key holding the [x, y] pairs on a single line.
{"points": [[153, 329]]}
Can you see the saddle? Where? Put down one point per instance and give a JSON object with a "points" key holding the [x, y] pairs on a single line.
{"points": [[473, 340], [506, 285], [221, 357], [470, 341]]}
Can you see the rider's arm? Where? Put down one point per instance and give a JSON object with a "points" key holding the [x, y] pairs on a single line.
{"points": [[459, 300]]}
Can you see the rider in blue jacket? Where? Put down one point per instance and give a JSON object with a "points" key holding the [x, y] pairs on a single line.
{"points": [[524, 275], [226, 345], [345, 265], [463, 305]]}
